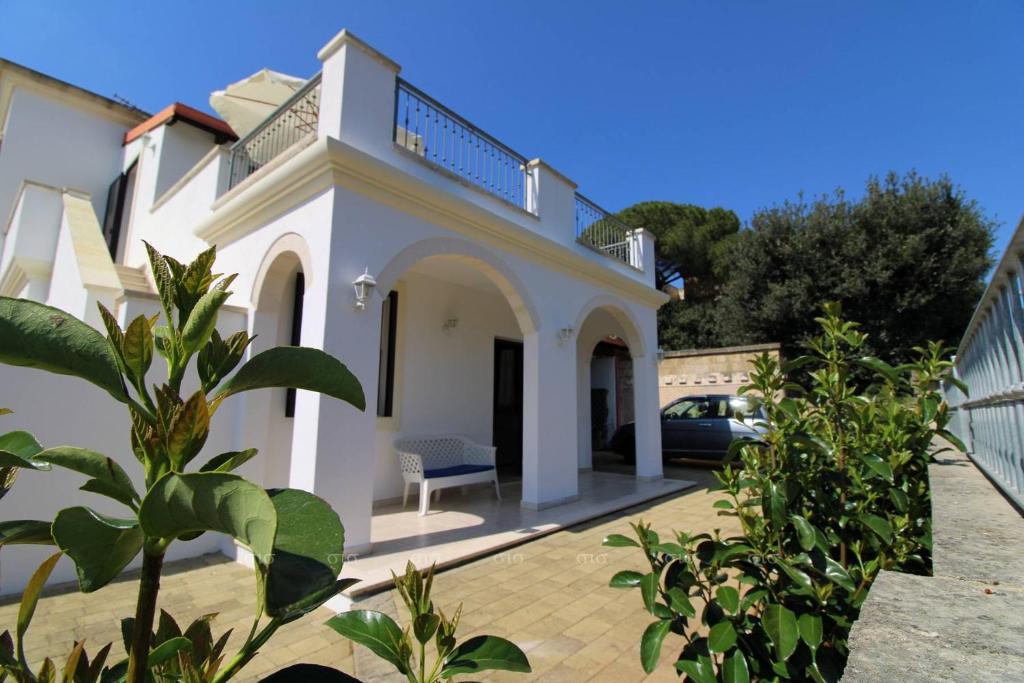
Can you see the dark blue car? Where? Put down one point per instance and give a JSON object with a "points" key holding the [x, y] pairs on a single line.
{"points": [[700, 427]]}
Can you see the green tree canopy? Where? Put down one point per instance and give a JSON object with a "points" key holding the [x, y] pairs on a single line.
{"points": [[693, 244], [908, 260]]}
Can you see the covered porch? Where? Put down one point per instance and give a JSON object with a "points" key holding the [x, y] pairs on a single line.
{"points": [[468, 525]]}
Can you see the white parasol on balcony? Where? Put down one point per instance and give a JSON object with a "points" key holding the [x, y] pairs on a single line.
{"points": [[247, 103]]}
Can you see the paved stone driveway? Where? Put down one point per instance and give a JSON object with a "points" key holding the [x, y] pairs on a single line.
{"points": [[549, 596]]}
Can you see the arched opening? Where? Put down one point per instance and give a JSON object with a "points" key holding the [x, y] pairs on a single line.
{"points": [[453, 319], [608, 342], [277, 321]]}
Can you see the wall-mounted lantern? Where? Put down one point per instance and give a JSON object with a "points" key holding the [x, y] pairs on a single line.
{"points": [[449, 325], [565, 334], [363, 285]]}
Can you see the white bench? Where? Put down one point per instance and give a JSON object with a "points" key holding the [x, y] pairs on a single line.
{"points": [[440, 462]]}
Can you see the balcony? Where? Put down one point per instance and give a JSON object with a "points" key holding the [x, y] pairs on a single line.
{"points": [[294, 121], [395, 122]]}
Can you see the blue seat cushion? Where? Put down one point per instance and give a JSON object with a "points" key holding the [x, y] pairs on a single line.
{"points": [[455, 471]]}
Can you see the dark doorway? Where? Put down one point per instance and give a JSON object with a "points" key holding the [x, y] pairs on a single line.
{"points": [[508, 405]]}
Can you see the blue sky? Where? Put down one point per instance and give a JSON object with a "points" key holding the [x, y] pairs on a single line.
{"points": [[737, 104]]}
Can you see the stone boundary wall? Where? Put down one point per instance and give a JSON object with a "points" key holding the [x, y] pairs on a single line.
{"points": [[707, 371], [965, 623]]}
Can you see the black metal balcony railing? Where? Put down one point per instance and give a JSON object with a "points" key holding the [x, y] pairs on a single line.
{"points": [[430, 130], [601, 230], [295, 119]]}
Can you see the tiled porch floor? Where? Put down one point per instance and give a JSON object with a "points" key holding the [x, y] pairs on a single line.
{"points": [[466, 525], [550, 596]]}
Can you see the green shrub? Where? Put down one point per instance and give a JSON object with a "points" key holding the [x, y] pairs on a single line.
{"points": [[836, 491], [296, 538]]}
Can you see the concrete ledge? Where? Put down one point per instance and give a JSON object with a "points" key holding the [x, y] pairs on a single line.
{"points": [[965, 623], [546, 504]]}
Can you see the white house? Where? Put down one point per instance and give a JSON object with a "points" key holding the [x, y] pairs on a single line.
{"points": [[495, 280]]}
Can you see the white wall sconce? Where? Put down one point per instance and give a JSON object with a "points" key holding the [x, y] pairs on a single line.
{"points": [[565, 334], [449, 325], [363, 285], [660, 354]]}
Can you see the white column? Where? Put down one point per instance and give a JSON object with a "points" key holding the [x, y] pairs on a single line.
{"points": [[334, 444], [357, 94], [550, 468], [647, 417], [584, 438]]}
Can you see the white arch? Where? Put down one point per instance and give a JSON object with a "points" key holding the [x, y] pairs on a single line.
{"points": [[622, 315], [503, 277], [287, 243]]}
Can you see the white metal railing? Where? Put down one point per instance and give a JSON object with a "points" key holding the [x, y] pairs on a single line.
{"points": [[601, 230], [990, 360], [292, 121]]}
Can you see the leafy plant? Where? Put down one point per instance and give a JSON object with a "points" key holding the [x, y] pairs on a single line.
{"points": [[406, 649], [295, 537], [836, 492]]}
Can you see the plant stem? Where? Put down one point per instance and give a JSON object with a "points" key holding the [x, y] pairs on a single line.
{"points": [[145, 610]]}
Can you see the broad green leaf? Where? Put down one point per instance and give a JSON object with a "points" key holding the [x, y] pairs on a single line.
{"points": [[20, 444], [619, 541], [626, 579], [164, 281], [314, 673], [38, 336], [780, 624], [484, 653], [723, 505], [774, 504], [810, 629], [879, 525], [835, 573], [899, 499], [29, 600], [680, 602], [700, 669], [425, 626], [804, 531], [729, 599], [651, 642], [226, 462], [649, 590], [25, 532], [202, 320], [800, 578], [953, 439], [374, 630], [100, 546], [168, 649], [308, 550], [880, 367], [96, 465], [137, 348], [188, 429], [8, 459], [210, 501], [297, 368], [735, 669], [722, 636], [878, 466]]}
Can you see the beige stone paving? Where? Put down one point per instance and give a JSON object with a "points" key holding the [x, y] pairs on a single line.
{"points": [[550, 596]]}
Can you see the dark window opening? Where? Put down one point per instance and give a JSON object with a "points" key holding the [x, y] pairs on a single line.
{"points": [[386, 372], [296, 335], [114, 217]]}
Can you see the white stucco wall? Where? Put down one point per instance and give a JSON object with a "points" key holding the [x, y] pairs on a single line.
{"points": [[54, 143], [445, 380]]}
